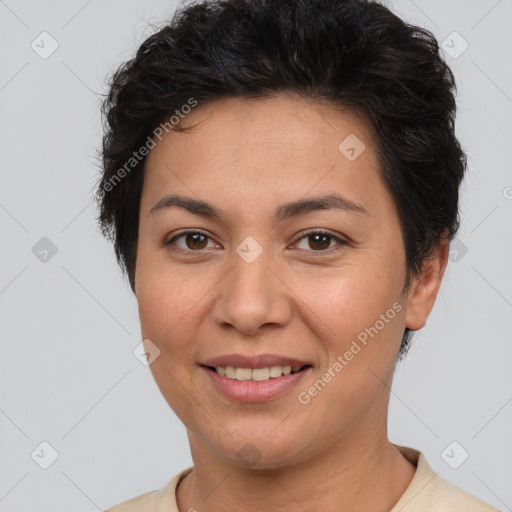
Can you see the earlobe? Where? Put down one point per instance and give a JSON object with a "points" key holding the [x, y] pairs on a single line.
{"points": [[425, 287]]}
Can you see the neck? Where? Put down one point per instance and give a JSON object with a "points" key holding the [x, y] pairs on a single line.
{"points": [[357, 476]]}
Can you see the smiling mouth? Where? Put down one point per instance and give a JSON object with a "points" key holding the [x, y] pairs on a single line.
{"points": [[256, 374]]}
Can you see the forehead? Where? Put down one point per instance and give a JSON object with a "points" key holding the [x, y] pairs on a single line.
{"points": [[272, 147], [288, 119]]}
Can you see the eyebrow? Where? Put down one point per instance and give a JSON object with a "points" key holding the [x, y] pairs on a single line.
{"points": [[304, 206]]}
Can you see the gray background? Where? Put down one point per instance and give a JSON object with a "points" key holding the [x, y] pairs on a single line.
{"points": [[69, 323]]}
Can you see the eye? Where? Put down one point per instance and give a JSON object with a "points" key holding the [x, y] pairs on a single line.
{"points": [[195, 241], [320, 240]]}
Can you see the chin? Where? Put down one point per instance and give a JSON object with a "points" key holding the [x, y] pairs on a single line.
{"points": [[259, 453]]}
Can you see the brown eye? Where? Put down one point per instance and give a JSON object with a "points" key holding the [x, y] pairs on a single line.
{"points": [[320, 241], [195, 241]]}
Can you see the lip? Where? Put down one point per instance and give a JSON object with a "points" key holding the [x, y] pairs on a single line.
{"points": [[255, 361], [253, 391]]}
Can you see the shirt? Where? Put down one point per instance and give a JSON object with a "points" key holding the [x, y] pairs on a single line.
{"points": [[426, 492]]}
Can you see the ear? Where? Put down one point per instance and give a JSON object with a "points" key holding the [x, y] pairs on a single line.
{"points": [[423, 291]]}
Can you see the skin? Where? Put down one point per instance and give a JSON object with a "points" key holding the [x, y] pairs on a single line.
{"points": [[246, 157]]}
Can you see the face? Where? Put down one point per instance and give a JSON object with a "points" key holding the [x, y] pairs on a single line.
{"points": [[319, 286]]}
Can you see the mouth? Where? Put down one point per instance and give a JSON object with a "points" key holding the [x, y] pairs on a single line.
{"points": [[256, 377], [256, 374], [260, 384]]}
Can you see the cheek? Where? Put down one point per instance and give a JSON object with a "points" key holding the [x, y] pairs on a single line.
{"points": [[164, 295], [166, 318], [348, 300], [360, 348], [360, 327]]}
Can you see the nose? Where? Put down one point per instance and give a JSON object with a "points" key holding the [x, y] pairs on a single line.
{"points": [[252, 296]]}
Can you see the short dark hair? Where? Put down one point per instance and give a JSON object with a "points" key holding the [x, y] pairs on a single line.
{"points": [[353, 54]]}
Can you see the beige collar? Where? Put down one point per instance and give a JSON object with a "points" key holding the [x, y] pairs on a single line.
{"points": [[426, 492]]}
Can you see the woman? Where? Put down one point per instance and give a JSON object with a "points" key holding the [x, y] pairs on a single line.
{"points": [[281, 186]]}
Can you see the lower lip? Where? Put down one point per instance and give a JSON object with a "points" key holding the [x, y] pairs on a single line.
{"points": [[254, 391]]}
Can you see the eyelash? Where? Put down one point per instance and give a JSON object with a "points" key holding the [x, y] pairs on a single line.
{"points": [[342, 243]]}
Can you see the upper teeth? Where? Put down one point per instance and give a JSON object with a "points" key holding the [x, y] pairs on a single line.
{"points": [[258, 374]]}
